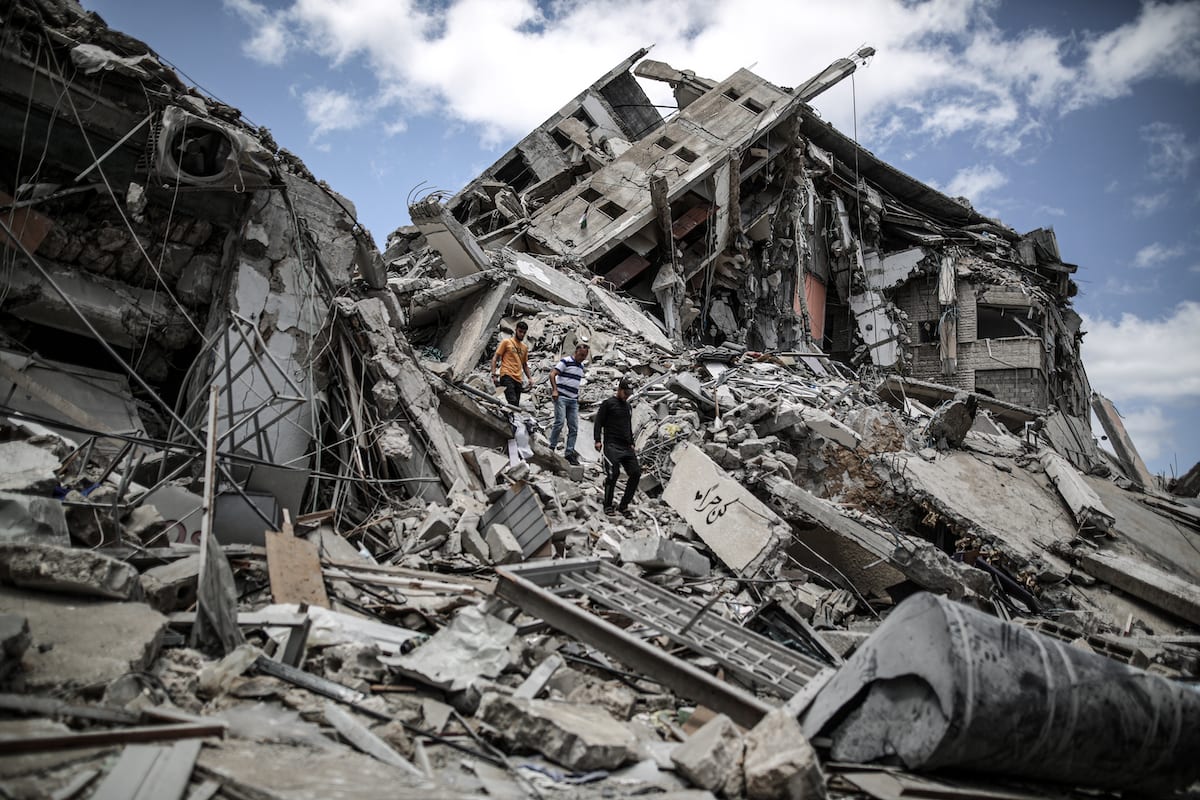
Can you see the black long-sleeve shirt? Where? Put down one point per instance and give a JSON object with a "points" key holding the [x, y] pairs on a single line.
{"points": [[614, 423]]}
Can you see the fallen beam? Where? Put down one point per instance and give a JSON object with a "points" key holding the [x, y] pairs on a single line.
{"points": [[75, 741]]}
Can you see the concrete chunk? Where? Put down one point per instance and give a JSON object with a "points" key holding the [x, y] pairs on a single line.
{"points": [[14, 640], [578, 737], [951, 421], [780, 762], [29, 518], [711, 758], [656, 552], [438, 522], [502, 545], [79, 642], [62, 569], [172, 587], [735, 524], [1089, 511], [27, 469]]}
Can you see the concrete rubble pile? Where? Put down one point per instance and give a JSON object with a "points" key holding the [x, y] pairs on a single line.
{"points": [[267, 528]]}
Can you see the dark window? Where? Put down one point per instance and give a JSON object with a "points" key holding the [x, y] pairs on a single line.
{"points": [[754, 105], [929, 332], [1002, 322], [516, 173], [583, 117], [685, 155], [611, 210], [665, 142], [732, 93], [590, 195]]}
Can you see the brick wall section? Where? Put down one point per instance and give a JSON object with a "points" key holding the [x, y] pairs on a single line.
{"points": [[1025, 387], [1013, 370]]}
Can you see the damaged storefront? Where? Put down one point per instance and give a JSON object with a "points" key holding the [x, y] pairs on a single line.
{"points": [[268, 529]]}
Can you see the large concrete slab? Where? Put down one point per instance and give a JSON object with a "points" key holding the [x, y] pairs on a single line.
{"points": [[78, 643], [1169, 592], [630, 318], [735, 524]]}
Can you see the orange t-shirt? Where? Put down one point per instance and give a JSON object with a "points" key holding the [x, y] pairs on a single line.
{"points": [[513, 355]]}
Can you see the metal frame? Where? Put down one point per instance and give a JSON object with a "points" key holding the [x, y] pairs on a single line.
{"points": [[536, 588]]}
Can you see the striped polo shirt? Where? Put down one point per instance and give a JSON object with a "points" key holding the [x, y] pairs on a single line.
{"points": [[570, 374]]}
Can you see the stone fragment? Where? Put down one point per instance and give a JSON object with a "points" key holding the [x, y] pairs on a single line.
{"points": [[27, 469], [472, 541], [502, 545], [618, 700], [29, 518], [14, 640], [172, 587], [580, 738], [657, 552], [79, 642], [951, 421], [143, 523], [439, 522], [70, 570], [711, 758], [474, 644], [195, 286], [779, 761]]}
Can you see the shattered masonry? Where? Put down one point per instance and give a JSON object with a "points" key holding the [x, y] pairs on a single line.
{"points": [[268, 530]]}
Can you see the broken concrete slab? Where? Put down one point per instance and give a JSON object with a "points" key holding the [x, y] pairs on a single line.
{"points": [[474, 644], [460, 252], [29, 518], [83, 643], [542, 280], [738, 527], [578, 737], [871, 559], [27, 469], [711, 758], [630, 318], [798, 418], [1084, 503], [942, 685], [70, 570], [657, 552], [473, 325], [1131, 460], [260, 769], [779, 763], [438, 522], [1158, 587]]}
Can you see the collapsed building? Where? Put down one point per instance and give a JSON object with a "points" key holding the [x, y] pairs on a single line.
{"points": [[268, 530]]}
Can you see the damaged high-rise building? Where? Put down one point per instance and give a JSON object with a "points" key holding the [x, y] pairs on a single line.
{"points": [[269, 528]]}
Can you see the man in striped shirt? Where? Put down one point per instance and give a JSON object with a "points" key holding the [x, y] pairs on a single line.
{"points": [[564, 388]]}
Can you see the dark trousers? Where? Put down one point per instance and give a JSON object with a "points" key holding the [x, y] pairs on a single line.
{"points": [[616, 459], [512, 390]]}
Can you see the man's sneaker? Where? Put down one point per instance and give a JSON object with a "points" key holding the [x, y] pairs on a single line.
{"points": [[625, 512], [572, 458], [610, 511]]}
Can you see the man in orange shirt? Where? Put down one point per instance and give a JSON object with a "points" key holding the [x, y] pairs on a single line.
{"points": [[513, 357]]}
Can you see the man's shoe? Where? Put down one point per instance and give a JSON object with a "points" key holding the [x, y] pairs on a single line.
{"points": [[572, 458], [610, 511], [625, 512]]}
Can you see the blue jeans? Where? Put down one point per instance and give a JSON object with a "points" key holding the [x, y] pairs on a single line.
{"points": [[568, 408]]}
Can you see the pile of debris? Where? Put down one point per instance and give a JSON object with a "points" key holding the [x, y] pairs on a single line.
{"points": [[268, 529]]}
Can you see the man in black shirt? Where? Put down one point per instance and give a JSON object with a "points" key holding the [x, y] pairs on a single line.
{"points": [[614, 436]]}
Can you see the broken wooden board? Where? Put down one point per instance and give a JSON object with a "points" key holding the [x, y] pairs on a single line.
{"points": [[294, 567]]}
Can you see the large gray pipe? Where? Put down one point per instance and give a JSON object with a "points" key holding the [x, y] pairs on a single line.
{"points": [[940, 684]]}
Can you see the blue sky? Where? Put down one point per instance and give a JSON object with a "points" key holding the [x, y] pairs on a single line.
{"points": [[1083, 116]]}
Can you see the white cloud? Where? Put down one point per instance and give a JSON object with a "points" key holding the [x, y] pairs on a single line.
{"points": [[975, 182], [330, 110], [1145, 205], [1171, 154], [1164, 40], [270, 41], [1052, 211], [1155, 253], [1156, 360], [943, 67]]}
